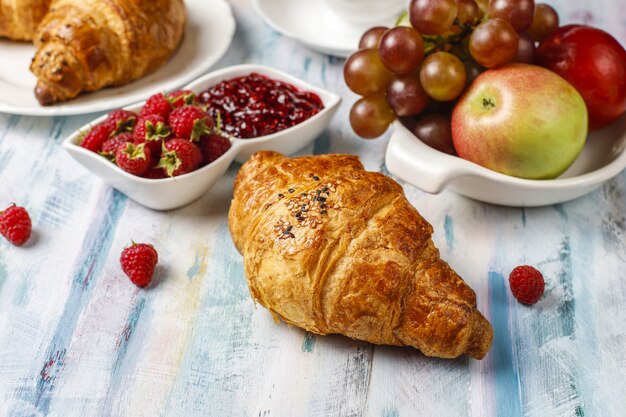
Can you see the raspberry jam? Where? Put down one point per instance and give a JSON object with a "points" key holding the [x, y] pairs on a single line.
{"points": [[255, 105]]}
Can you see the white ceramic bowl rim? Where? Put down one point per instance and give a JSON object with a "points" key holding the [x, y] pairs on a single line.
{"points": [[470, 168]]}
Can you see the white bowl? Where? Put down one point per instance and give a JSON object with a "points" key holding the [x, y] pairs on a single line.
{"points": [[366, 12], [432, 171], [171, 193]]}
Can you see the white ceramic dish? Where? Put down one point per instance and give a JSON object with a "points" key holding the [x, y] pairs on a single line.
{"points": [[366, 12], [171, 193], [603, 157], [210, 29], [314, 25]]}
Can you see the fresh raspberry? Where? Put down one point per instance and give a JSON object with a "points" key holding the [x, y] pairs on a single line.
{"points": [[157, 104], [152, 130], [132, 158], [94, 139], [179, 157], [15, 224], [109, 147], [155, 174], [527, 284], [190, 122], [138, 262], [180, 98], [212, 147], [120, 121]]}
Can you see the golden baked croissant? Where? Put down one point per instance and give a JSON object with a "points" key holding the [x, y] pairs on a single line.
{"points": [[19, 18], [333, 248], [85, 45]]}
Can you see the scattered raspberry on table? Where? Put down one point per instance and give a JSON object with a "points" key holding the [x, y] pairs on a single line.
{"points": [[527, 284], [15, 225], [138, 262]]}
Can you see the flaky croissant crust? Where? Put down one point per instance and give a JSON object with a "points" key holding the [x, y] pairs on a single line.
{"points": [[333, 248], [86, 45], [19, 18]]}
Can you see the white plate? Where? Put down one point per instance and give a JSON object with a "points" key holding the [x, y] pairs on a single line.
{"points": [[311, 23], [210, 29], [603, 157], [171, 193]]}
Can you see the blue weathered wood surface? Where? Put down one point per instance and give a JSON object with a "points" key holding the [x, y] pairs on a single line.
{"points": [[78, 339]]}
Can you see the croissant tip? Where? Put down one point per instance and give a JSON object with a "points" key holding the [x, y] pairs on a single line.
{"points": [[44, 96], [481, 337]]}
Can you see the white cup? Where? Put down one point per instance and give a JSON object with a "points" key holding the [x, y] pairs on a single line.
{"points": [[366, 12]]}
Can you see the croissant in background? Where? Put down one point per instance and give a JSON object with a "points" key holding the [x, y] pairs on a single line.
{"points": [[332, 248], [86, 45], [19, 18]]}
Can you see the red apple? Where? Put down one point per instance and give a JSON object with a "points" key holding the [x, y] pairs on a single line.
{"points": [[520, 120], [594, 63]]}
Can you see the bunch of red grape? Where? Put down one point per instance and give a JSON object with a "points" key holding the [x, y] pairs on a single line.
{"points": [[421, 66]]}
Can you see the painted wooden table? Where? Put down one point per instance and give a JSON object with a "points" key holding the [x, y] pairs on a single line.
{"points": [[78, 339]]}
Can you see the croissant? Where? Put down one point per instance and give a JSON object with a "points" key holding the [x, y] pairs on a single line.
{"points": [[86, 45], [19, 18], [332, 248]]}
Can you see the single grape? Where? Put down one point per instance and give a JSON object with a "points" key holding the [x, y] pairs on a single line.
{"points": [[401, 49], [432, 17], [365, 73], [406, 95], [473, 70], [435, 131], [443, 76], [519, 13], [493, 43], [371, 116], [525, 49], [545, 21], [371, 38], [468, 11]]}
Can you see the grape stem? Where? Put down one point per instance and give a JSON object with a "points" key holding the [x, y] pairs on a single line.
{"points": [[435, 43]]}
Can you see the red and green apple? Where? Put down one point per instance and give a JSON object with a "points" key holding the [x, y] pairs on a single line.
{"points": [[520, 120]]}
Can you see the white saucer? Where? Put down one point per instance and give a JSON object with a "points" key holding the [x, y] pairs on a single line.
{"points": [[210, 29], [309, 22]]}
